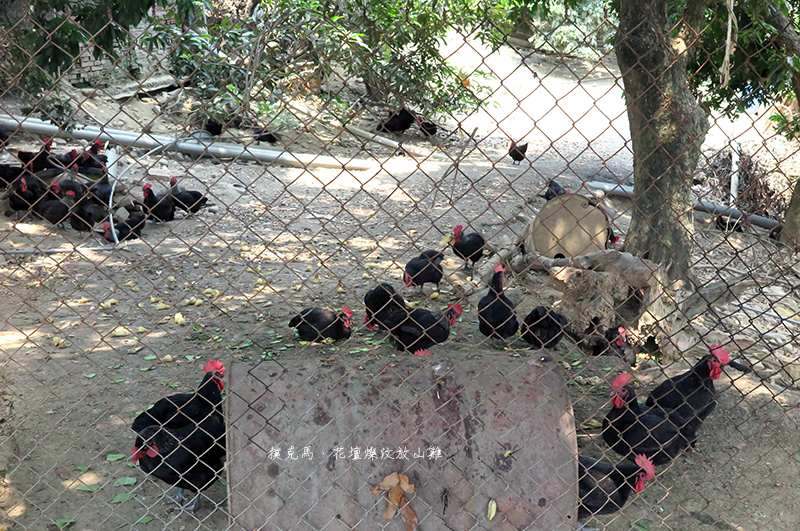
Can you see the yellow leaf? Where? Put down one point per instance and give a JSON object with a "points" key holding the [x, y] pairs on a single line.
{"points": [[84, 300], [59, 342], [166, 359], [163, 306], [309, 269], [340, 289], [315, 280], [170, 279], [135, 289], [142, 330], [216, 245], [251, 270], [369, 266], [155, 299], [179, 319], [184, 303], [592, 424], [268, 304], [198, 302], [492, 510], [109, 303], [259, 282], [129, 284], [366, 275], [48, 320], [119, 332], [244, 248], [434, 295]]}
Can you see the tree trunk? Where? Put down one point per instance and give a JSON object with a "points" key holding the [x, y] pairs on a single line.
{"points": [[788, 38], [667, 129]]}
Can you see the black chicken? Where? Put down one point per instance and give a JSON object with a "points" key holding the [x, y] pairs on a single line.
{"points": [[56, 211], [181, 438], [397, 122], [315, 323], [26, 190], [517, 152], [543, 328], [417, 331], [604, 488], [93, 158], [496, 313], [380, 303], [66, 160], [692, 394], [8, 172], [730, 223], [159, 207], [613, 342], [469, 248], [213, 127], [100, 190], [425, 268], [262, 134], [130, 229], [553, 190], [427, 128], [611, 238], [190, 457], [36, 162], [85, 214], [660, 434], [186, 200], [60, 188]]}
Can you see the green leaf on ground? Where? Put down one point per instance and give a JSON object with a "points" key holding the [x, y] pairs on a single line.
{"points": [[122, 497], [115, 457], [126, 481]]}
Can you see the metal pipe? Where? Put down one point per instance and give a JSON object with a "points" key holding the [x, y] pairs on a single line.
{"points": [[189, 147], [619, 190]]}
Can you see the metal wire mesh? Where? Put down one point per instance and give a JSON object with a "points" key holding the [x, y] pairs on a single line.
{"points": [[271, 112]]}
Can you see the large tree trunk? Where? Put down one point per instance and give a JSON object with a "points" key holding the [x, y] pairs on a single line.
{"points": [[667, 129]]}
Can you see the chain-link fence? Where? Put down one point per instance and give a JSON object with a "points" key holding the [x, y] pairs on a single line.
{"points": [[183, 181]]}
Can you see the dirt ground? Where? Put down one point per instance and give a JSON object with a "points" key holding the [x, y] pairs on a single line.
{"points": [[85, 333]]}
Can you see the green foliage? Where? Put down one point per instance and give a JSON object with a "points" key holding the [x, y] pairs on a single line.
{"points": [[577, 27], [760, 72]]}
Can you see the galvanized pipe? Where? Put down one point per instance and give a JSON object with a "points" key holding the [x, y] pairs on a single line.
{"points": [[619, 190], [187, 146]]}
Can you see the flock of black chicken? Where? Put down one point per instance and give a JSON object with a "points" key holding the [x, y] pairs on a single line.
{"points": [[181, 438], [38, 185]]}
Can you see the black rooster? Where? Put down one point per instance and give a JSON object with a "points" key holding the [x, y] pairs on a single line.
{"points": [[130, 229], [316, 323], [380, 303], [397, 122], [181, 438], [425, 268], [553, 190], [543, 328], [517, 152], [660, 434], [159, 207], [469, 248], [187, 200], [604, 488], [419, 330], [496, 313]]}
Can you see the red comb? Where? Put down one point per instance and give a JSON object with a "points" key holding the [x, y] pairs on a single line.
{"points": [[347, 311], [621, 381], [457, 307], [107, 226], [499, 267], [214, 366], [147, 186], [646, 464], [459, 228], [173, 180], [721, 354]]}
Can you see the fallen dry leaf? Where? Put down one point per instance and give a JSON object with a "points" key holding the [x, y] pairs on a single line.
{"points": [[408, 515], [392, 480], [395, 497], [59, 342], [592, 424], [492, 510], [119, 332], [179, 319], [163, 306]]}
